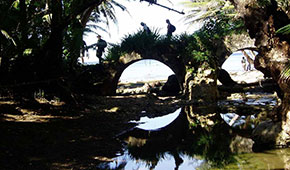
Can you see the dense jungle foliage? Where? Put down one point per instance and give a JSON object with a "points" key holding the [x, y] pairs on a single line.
{"points": [[40, 41]]}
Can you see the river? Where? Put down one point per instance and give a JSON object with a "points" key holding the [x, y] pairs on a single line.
{"points": [[181, 142]]}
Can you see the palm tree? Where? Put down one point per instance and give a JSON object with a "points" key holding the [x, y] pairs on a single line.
{"points": [[89, 22], [103, 13]]}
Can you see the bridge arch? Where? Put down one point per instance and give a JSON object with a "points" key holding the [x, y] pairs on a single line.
{"points": [[146, 70], [115, 70], [173, 61], [233, 43]]}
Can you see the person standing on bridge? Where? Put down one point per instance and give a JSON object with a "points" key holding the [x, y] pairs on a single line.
{"points": [[145, 28], [170, 28], [101, 45]]}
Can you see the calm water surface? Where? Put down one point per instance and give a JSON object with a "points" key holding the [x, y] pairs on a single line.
{"points": [[180, 142]]}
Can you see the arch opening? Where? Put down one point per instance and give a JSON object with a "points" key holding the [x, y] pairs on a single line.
{"points": [[251, 97], [240, 66], [146, 76]]}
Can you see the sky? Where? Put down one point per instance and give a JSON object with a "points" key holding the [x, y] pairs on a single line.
{"points": [[154, 16]]}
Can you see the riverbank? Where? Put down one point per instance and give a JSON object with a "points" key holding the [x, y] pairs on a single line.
{"points": [[142, 87], [139, 87]]}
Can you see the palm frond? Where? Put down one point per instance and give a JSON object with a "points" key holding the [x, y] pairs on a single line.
{"points": [[206, 9], [285, 74], [122, 7], [284, 30], [104, 14]]}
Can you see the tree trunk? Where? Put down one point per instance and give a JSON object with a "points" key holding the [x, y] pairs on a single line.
{"points": [[49, 64]]}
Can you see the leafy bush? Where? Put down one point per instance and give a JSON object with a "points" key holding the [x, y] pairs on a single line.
{"points": [[138, 42]]}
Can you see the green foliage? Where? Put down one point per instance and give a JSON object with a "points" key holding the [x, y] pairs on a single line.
{"points": [[8, 37], [139, 42], [218, 21], [114, 53], [195, 52], [285, 74], [284, 30], [204, 10], [200, 56], [46, 33], [201, 46], [27, 51], [264, 2]]}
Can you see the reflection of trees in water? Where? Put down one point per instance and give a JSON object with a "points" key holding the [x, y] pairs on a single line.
{"points": [[198, 132], [211, 136], [159, 143], [205, 135]]}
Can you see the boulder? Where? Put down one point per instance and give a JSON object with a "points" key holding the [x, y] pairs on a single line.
{"points": [[241, 144], [171, 87], [265, 135], [225, 78]]}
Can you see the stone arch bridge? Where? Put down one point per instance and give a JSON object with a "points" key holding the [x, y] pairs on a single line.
{"points": [[114, 71], [109, 73]]}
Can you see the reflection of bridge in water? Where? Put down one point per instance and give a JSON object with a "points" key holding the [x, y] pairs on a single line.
{"points": [[197, 138], [181, 140]]}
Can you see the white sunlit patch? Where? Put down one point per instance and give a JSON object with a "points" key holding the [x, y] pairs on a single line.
{"points": [[146, 123]]}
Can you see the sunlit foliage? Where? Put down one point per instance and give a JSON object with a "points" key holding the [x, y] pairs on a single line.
{"points": [[285, 74], [204, 10]]}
